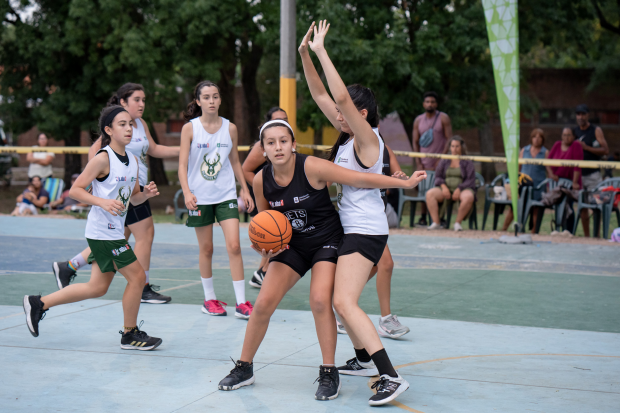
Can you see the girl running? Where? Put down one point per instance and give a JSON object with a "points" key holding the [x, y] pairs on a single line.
{"points": [[299, 183], [252, 164], [208, 166], [114, 176], [359, 147], [139, 221]]}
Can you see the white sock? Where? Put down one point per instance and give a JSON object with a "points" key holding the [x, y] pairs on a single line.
{"points": [[239, 291], [207, 285], [147, 276], [385, 318], [77, 262]]}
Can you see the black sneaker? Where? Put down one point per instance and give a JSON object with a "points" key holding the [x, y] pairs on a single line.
{"points": [[138, 340], [33, 307], [257, 278], [354, 367], [64, 274], [388, 388], [329, 383], [443, 223], [151, 296], [241, 375], [422, 222]]}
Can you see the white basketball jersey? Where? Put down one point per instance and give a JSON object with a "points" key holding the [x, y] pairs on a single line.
{"points": [[138, 146], [119, 185], [361, 210], [209, 172]]}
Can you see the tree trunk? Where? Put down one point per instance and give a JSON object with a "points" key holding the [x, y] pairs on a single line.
{"points": [[227, 86], [250, 62], [407, 121], [318, 140], [156, 165], [73, 162], [485, 139]]}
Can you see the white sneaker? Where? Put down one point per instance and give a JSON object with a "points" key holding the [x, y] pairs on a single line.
{"points": [[354, 367], [458, 227], [392, 328], [433, 226], [567, 233]]}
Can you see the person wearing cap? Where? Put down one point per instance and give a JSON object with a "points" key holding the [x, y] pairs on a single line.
{"points": [[65, 202], [594, 147]]}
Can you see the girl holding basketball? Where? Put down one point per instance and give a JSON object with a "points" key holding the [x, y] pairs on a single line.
{"points": [[359, 147], [113, 173], [208, 166], [296, 186], [254, 162], [139, 222]]}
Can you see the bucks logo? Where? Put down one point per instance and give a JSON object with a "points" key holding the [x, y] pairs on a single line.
{"points": [[143, 155], [339, 191], [210, 169], [124, 193]]}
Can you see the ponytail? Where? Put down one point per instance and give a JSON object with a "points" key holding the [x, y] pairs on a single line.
{"points": [[124, 93], [194, 110], [363, 98]]}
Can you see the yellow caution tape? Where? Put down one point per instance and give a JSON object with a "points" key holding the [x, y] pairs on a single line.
{"points": [[82, 150]]}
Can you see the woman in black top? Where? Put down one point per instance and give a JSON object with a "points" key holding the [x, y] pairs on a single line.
{"points": [[251, 166], [296, 185]]}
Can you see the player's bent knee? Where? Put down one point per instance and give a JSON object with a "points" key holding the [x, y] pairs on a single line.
{"points": [[319, 304]]}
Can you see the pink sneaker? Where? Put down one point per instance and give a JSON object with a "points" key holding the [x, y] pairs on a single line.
{"points": [[244, 310], [214, 307]]}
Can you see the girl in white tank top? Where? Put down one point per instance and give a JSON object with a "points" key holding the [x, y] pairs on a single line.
{"points": [[113, 173], [138, 219], [208, 166], [354, 113]]}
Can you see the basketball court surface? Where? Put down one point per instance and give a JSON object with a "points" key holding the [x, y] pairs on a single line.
{"points": [[494, 328]]}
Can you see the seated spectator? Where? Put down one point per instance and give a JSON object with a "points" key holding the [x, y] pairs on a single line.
{"points": [[455, 180], [568, 149], [40, 162], [65, 202], [35, 196], [538, 173]]}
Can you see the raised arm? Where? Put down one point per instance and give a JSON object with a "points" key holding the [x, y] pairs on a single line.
{"points": [[320, 171], [366, 142], [233, 157], [254, 160], [317, 89], [156, 150]]}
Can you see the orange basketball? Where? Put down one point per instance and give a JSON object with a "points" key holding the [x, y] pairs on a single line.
{"points": [[270, 230]]}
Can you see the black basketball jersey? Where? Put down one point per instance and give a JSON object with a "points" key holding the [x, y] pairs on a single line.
{"points": [[588, 136], [312, 215]]}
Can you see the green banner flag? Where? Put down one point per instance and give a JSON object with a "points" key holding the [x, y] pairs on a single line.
{"points": [[503, 29]]}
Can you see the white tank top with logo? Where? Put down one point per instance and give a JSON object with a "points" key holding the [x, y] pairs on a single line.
{"points": [[361, 210], [138, 146], [101, 225], [209, 173]]}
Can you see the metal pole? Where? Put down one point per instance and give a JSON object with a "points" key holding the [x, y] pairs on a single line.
{"points": [[288, 57]]}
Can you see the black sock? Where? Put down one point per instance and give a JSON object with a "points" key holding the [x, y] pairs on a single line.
{"points": [[362, 355], [383, 363]]}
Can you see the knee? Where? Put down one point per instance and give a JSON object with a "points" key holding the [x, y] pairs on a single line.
{"points": [[342, 306], [98, 290], [386, 266], [263, 309], [319, 304], [206, 250], [233, 248]]}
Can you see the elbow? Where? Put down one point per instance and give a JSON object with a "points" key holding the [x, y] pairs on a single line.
{"points": [[341, 98]]}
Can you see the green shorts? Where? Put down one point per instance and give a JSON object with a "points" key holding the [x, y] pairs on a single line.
{"points": [[106, 253], [207, 214]]}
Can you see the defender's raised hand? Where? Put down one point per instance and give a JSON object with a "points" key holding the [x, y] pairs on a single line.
{"points": [[319, 36], [303, 47]]}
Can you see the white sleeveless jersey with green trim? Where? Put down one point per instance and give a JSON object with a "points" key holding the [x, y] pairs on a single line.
{"points": [[138, 146], [209, 173], [119, 185]]}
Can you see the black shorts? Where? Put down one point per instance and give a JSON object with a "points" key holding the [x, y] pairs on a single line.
{"points": [[139, 212], [302, 260], [370, 246]]}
